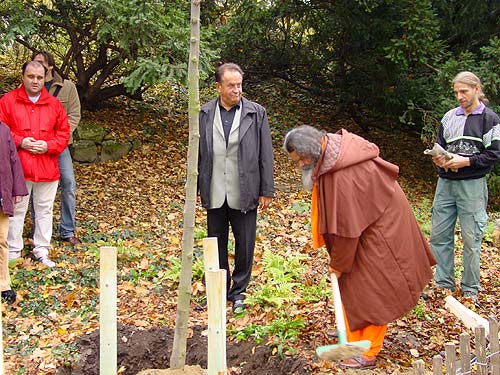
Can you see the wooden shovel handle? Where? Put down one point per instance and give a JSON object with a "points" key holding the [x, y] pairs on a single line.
{"points": [[339, 310]]}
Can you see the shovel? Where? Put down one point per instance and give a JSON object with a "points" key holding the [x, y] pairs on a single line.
{"points": [[344, 349]]}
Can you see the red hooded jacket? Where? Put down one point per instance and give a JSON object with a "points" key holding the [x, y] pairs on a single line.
{"points": [[44, 120]]}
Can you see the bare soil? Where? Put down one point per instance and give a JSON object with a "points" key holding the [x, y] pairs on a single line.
{"points": [[150, 349]]}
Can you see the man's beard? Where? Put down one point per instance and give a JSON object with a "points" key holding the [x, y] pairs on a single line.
{"points": [[307, 180]]}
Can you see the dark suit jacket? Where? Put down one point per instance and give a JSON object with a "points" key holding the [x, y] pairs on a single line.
{"points": [[255, 154]]}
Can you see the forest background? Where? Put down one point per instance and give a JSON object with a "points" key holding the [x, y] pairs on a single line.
{"points": [[381, 67]]}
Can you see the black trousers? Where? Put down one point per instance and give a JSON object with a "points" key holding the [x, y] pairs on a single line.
{"points": [[244, 227]]}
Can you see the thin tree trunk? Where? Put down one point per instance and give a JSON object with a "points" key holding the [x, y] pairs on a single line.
{"points": [[178, 357]]}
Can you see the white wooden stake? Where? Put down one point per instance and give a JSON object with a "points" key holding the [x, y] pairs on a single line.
{"points": [[107, 318], [210, 259], [467, 316], [216, 303], [216, 290], [210, 254]]}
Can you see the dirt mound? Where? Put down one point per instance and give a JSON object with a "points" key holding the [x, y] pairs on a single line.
{"points": [[150, 349]]}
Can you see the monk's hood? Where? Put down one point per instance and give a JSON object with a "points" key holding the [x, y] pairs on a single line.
{"points": [[343, 150]]}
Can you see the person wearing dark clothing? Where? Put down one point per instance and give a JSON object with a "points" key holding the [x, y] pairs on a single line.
{"points": [[235, 174]]}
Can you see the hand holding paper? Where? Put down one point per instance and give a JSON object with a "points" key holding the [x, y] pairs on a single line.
{"points": [[437, 150]]}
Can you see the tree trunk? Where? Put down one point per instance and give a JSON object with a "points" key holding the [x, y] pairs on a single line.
{"points": [[178, 357]]}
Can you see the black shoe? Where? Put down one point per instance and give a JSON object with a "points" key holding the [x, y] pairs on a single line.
{"points": [[201, 306], [9, 296], [239, 306], [72, 240]]}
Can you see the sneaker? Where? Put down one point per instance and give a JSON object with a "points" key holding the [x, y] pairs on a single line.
{"points": [[9, 296], [201, 306], [472, 296], [239, 306], [359, 362], [46, 261]]}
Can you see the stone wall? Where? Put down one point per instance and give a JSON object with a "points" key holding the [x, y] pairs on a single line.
{"points": [[93, 144]]}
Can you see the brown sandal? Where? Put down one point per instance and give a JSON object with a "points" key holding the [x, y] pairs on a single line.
{"points": [[358, 363]]}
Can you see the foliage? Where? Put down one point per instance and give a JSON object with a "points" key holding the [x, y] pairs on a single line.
{"points": [[329, 49], [174, 269], [493, 180], [419, 310], [428, 109], [488, 233], [301, 207], [400, 73], [281, 285], [281, 333], [422, 211], [460, 31], [316, 292], [109, 47], [416, 44]]}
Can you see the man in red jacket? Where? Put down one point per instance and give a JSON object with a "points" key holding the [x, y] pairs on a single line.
{"points": [[40, 128]]}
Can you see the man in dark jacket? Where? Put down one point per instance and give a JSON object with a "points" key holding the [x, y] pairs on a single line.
{"points": [[235, 173], [12, 189]]}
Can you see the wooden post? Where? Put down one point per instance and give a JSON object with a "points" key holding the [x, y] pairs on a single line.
{"points": [[419, 367], [107, 317], [210, 254], [437, 365], [210, 259], [467, 316], [465, 353], [494, 346], [216, 303], [480, 339], [450, 358], [216, 290]]}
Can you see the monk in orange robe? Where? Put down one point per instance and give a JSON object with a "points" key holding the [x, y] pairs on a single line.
{"points": [[358, 210]]}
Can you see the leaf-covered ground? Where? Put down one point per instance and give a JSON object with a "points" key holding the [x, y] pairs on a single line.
{"points": [[136, 204]]}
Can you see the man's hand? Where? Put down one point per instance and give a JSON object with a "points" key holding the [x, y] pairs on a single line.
{"points": [[28, 144], [33, 146], [457, 162], [17, 199], [40, 147], [454, 163], [264, 202], [334, 271]]}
